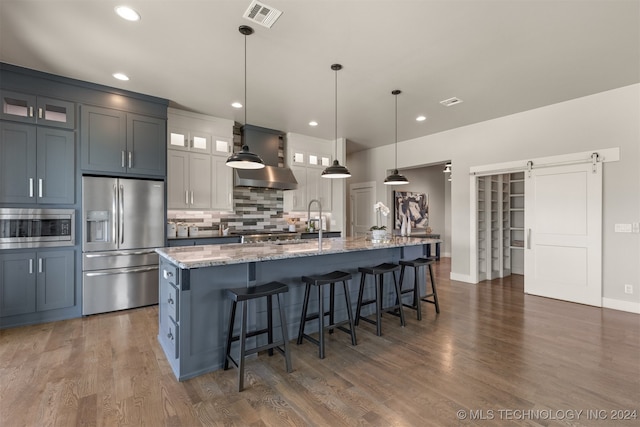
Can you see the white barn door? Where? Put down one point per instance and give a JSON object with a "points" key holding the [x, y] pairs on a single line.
{"points": [[563, 233]]}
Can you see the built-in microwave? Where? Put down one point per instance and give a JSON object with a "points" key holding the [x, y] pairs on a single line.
{"points": [[33, 228]]}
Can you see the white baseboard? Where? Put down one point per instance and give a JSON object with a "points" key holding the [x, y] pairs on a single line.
{"points": [[616, 304], [461, 277]]}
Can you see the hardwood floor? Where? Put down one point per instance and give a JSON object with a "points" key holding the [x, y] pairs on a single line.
{"points": [[493, 356]]}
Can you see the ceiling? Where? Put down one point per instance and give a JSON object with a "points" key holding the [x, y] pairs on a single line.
{"points": [[500, 57]]}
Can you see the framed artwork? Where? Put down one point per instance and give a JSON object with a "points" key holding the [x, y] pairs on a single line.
{"points": [[413, 205]]}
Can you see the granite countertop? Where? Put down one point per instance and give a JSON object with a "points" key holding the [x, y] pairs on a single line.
{"points": [[238, 253]]}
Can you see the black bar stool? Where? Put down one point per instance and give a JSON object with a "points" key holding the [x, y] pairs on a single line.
{"points": [[378, 272], [319, 281], [242, 295], [434, 292], [416, 264]]}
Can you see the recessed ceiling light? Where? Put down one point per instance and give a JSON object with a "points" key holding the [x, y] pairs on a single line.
{"points": [[236, 105], [125, 12], [313, 123], [421, 118], [121, 76], [451, 101]]}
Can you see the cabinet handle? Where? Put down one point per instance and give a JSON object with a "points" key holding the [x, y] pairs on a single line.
{"points": [[39, 113], [170, 301], [528, 238], [170, 335], [122, 159], [39, 265], [30, 111], [30, 187], [167, 274], [30, 265], [190, 143], [130, 159], [192, 197], [40, 187]]}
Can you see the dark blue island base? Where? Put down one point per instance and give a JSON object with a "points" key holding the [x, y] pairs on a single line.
{"points": [[194, 308]]}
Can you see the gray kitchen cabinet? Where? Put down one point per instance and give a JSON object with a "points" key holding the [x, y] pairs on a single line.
{"points": [[39, 110], [35, 281], [169, 308], [38, 164], [55, 284], [114, 141], [17, 283], [146, 142]]}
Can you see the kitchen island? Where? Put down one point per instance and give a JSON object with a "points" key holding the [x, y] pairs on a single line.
{"points": [[194, 308]]}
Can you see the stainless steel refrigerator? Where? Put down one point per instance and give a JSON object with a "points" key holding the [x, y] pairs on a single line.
{"points": [[123, 221]]}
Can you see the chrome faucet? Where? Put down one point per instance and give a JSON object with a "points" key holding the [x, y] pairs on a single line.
{"points": [[319, 221]]}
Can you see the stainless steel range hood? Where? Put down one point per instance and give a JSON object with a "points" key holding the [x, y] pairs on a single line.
{"points": [[265, 143]]}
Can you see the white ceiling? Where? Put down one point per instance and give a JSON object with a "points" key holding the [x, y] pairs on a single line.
{"points": [[500, 57]]}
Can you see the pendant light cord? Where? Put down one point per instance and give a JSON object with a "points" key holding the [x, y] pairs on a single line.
{"points": [[396, 162], [336, 109], [245, 79]]}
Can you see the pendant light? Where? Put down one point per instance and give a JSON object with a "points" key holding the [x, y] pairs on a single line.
{"points": [[244, 159], [395, 178], [335, 170]]}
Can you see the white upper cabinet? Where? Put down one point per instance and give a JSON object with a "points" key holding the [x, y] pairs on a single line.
{"points": [[308, 157], [199, 179], [189, 140]]}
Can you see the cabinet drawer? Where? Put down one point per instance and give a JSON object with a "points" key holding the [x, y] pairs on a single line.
{"points": [[169, 273], [171, 296], [172, 337], [168, 335]]}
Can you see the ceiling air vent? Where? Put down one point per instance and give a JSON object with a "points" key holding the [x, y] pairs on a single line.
{"points": [[451, 101], [262, 14]]}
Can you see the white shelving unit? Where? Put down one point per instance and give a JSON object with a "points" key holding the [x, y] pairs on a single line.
{"points": [[482, 230], [493, 239], [516, 218], [506, 225]]}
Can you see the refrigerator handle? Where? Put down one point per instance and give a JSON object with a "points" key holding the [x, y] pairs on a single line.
{"points": [[114, 214], [121, 214]]}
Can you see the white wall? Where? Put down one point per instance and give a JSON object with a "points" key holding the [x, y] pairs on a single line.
{"points": [[605, 120]]}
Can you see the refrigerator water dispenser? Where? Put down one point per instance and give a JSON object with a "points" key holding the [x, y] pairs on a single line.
{"points": [[97, 226]]}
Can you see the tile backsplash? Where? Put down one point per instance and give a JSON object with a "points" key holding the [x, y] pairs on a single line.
{"points": [[254, 209]]}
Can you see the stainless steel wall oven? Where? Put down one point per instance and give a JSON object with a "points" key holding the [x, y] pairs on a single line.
{"points": [[35, 228]]}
